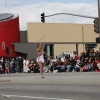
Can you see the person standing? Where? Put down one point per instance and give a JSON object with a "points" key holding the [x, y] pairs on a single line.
{"points": [[40, 58], [13, 65], [1, 70], [75, 57], [20, 64], [25, 65], [3, 66]]}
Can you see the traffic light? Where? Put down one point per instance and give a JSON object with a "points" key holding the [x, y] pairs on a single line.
{"points": [[96, 25], [7, 50], [43, 18], [97, 40]]}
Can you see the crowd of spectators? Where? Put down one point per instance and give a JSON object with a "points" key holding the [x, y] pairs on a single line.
{"points": [[86, 62], [18, 65]]}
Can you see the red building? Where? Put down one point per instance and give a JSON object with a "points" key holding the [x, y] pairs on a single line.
{"points": [[9, 33]]}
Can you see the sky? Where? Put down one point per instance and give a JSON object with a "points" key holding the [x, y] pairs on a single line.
{"points": [[30, 10]]}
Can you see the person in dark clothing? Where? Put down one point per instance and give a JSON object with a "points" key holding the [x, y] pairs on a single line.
{"points": [[21, 65], [3, 66], [72, 63], [1, 70], [36, 68], [83, 54], [87, 54]]}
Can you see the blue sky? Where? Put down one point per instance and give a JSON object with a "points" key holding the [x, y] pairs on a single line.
{"points": [[66, 1], [30, 10], [24, 2]]}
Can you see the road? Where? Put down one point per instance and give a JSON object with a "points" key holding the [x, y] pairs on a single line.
{"points": [[55, 86]]}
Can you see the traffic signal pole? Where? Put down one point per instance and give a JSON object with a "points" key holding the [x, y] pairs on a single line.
{"points": [[43, 17], [99, 21], [72, 15], [10, 54]]}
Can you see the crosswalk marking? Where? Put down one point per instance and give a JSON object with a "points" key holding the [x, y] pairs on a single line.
{"points": [[33, 97]]}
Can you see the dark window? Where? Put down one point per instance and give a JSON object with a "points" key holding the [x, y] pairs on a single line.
{"points": [[90, 46]]}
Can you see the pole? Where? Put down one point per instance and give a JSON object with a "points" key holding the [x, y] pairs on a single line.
{"points": [[10, 54], [99, 21], [72, 15], [83, 37]]}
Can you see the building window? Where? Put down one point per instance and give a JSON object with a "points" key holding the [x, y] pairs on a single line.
{"points": [[49, 48]]}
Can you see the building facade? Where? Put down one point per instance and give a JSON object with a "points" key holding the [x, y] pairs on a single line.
{"points": [[9, 32], [70, 36], [57, 38]]}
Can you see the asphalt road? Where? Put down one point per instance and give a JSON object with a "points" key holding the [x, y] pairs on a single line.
{"points": [[55, 86]]}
